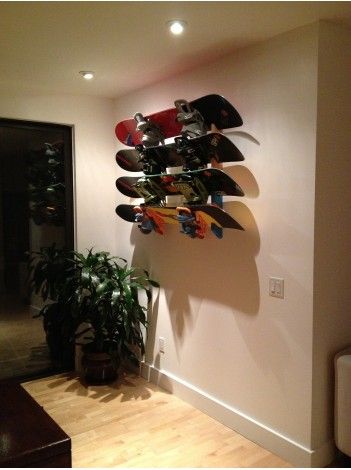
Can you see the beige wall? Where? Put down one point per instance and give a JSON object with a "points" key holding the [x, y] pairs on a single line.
{"points": [[332, 271], [94, 142], [225, 336]]}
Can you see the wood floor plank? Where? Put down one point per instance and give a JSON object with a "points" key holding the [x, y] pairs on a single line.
{"points": [[133, 423]]}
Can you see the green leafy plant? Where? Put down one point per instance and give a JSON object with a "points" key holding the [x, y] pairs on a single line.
{"points": [[99, 291]]}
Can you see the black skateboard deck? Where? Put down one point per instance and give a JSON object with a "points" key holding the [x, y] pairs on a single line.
{"points": [[196, 186], [193, 153], [206, 215], [213, 108]]}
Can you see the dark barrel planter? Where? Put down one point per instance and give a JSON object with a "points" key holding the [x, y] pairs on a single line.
{"points": [[98, 368]]}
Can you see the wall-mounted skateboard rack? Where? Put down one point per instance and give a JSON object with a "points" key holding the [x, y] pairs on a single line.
{"points": [[179, 168]]}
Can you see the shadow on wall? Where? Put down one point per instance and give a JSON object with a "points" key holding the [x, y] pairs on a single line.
{"points": [[245, 180], [152, 316], [191, 271], [243, 135]]}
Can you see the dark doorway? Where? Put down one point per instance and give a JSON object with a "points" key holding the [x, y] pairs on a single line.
{"points": [[36, 209]]}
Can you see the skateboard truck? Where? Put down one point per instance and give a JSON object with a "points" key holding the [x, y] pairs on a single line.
{"points": [[192, 120], [194, 191], [152, 133], [147, 223], [191, 154], [189, 225], [150, 165], [149, 190]]}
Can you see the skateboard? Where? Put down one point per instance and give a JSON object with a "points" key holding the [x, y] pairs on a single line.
{"points": [[195, 186], [217, 200], [195, 117], [193, 220], [189, 153]]}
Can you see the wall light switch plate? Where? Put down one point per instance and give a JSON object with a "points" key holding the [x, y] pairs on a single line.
{"points": [[276, 287], [161, 344]]}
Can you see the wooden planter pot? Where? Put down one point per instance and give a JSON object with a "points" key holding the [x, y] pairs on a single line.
{"points": [[98, 368]]}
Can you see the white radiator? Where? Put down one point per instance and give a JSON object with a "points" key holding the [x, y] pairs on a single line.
{"points": [[342, 417]]}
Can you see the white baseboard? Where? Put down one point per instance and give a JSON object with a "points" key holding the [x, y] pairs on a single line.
{"points": [[277, 443]]}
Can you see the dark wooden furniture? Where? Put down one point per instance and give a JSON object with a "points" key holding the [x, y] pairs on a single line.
{"points": [[29, 437]]}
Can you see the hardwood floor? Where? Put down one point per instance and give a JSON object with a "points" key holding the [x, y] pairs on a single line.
{"points": [[133, 423]]}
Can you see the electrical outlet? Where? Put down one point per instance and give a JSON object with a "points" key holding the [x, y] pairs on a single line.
{"points": [[276, 287], [161, 344]]}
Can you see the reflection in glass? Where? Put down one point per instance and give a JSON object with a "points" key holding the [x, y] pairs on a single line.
{"points": [[35, 211]]}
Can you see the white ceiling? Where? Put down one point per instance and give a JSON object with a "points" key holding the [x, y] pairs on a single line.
{"points": [[45, 44]]}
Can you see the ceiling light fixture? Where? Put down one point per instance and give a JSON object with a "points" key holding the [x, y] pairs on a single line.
{"points": [[176, 27], [87, 75]]}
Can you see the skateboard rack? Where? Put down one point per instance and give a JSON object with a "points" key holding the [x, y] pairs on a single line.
{"points": [[193, 147]]}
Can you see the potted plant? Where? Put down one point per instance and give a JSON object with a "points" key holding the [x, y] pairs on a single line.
{"points": [[107, 301], [100, 295]]}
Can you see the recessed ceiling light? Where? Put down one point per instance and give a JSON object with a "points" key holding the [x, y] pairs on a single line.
{"points": [[87, 75], [176, 26]]}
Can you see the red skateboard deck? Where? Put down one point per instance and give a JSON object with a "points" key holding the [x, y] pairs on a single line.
{"points": [[214, 108], [127, 134]]}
